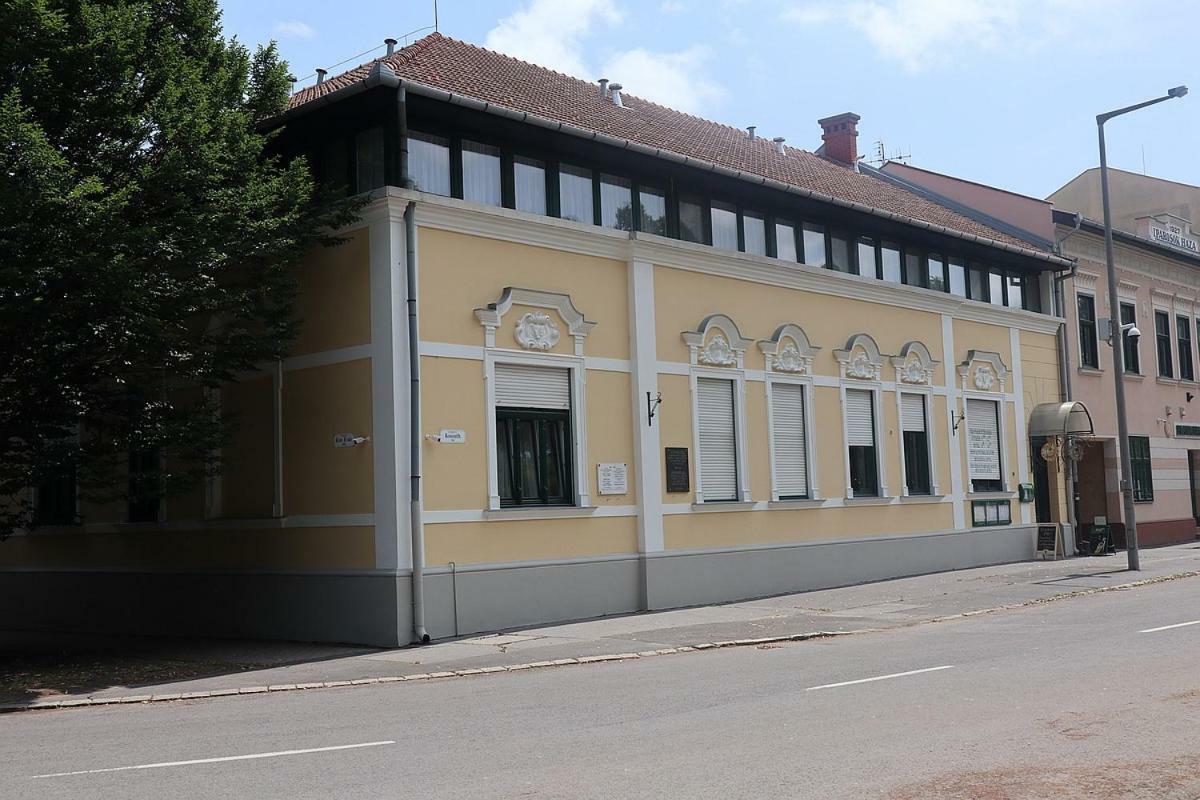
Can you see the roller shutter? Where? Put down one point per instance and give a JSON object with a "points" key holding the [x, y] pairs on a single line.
{"points": [[718, 439], [912, 412], [791, 457], [860, 419], [983, 440], [526, 386]]}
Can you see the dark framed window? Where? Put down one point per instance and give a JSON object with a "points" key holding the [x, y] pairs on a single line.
{"points": [[1129, 345], [368, 159], [914, 268], [935, 272], [958, 276], [724, 225], [867, 257], [915, 435], [616, 202], [575, 196], [1089, 355], [890, 261], [984, 447], [1183, 335], [1139, 465], [652, 210], [754, 233], [533, 456], [691, 220], [428, 162], [839, 252], [1162, 344], [1014, 286], [813, 240], [785, 240], [990, 513], [977, 284], [996, 286], [481, 173], [529, 185]]}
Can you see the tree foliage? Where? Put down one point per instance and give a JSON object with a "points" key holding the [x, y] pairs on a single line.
{"points": [[146, 241]]}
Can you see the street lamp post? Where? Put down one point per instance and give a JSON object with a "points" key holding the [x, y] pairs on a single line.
{"points": [[1116, 336]]}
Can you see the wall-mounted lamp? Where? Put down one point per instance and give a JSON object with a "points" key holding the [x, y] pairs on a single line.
{"points": [[652, 404], [956, 422], [1190, 396]]}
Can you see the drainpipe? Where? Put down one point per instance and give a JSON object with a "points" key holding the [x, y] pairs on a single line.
{"points": [[1064, 364], [416, 525]]}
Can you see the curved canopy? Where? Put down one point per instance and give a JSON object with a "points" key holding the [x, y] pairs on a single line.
{"points": [[1057, 419]]}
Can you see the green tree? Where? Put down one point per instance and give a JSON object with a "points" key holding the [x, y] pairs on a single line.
{"points": [[147, 239]]}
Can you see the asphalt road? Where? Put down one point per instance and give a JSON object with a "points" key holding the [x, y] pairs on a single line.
{"points": [[1071, 699]]}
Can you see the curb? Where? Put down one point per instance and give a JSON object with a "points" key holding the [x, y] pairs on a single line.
{"points": [[81, 702]]}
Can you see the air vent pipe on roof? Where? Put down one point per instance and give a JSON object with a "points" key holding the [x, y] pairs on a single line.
{"points": [[750, 131], [391, 45], [321, 75], [603, 87], [291, 79], [615, 90], [779, 140]]}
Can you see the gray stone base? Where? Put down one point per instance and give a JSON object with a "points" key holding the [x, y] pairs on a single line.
{"points": [[376, 609]]}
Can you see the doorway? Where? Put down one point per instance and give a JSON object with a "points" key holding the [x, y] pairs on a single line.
{"points": [[1091, 489]]}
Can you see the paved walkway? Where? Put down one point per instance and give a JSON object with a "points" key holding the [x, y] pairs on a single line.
{"points": [[247, 666]]}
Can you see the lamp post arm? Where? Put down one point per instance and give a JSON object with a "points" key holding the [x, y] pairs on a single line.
{"points": [[1103, 118]]}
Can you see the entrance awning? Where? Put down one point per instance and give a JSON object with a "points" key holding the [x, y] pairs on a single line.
{"points": [[1058, 419]]}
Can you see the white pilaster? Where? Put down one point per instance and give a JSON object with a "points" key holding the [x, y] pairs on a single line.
{"points": [[1018, 391], [389, 385], [644, 380], [952, 412]]}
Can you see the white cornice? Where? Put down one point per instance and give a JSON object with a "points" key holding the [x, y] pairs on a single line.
{"points": [[505, 224]]}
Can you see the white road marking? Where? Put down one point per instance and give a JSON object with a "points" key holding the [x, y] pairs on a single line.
{"points": [[879, 678], [1169, 627], [249, 757]]}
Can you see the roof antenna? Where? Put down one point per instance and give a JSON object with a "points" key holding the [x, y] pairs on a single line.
{"points": [[881, 156], [435, 17]]}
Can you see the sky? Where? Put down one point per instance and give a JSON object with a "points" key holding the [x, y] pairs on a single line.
{"points": [[1004, 92]]}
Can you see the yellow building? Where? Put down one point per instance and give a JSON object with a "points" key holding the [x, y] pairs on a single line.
{"points": [[661, 362]]}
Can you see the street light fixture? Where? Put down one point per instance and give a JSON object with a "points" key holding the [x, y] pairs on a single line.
{"points": [[1115, 341]]}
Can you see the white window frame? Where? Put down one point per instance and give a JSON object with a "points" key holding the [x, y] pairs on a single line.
{"points": [[717, 349], [578, 378], [861, 364], [806, 385], [977, 369], [491, 318], [914, 367], [789, 357], [927, 394]]}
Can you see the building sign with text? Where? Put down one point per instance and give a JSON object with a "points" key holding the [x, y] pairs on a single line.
{"points": [[1169, 230]]}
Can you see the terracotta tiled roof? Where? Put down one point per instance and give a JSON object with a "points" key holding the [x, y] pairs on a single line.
{"points": [[465, 69]]}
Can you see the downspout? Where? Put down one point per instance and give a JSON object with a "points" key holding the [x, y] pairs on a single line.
{"points": [[1064, 365], [416, 525]]}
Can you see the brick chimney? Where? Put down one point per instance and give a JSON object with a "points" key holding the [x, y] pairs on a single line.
{"points": [[840, 137]]}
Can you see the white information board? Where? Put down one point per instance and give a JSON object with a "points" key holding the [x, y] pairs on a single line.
{"points": [[613, 478]]}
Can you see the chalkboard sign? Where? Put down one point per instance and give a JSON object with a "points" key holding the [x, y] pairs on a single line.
{"points": [[677, 470], [1048, 538]]}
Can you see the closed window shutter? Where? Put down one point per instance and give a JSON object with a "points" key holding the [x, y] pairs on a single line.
{"points": [[526, 386], [791, 463], [718, 439], [860, 421], [983, 439], [912, 412]]}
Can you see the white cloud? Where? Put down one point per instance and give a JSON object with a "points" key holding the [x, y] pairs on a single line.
{"points": [[672, 79], [549, 32], [920, 34], [294, 30]]}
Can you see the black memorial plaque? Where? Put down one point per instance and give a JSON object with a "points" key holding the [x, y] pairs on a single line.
{"points": [[677, 470]]}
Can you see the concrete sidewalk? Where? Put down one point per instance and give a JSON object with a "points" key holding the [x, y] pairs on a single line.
{"points": [[867, 607]]}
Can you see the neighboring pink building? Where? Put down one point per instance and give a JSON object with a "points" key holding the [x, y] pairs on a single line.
{"points": [[1158, 272]]}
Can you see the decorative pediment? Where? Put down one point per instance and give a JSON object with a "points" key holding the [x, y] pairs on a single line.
{"points": [[788, 350], [716, 342], [860, 359], [983, 371], [535, 330], [914, 365]]}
